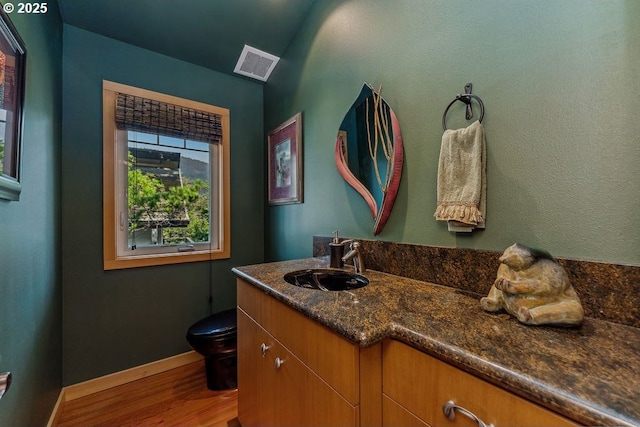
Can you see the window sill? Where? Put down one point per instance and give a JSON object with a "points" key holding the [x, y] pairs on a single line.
{"points": [[9, 188], [163, 259]]}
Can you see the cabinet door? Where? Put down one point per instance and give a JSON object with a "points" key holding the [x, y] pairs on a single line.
{"points": [[395, 415], [327, 407], [423, 384], [277, 389], [255, 374], [303, 398], [327, 354], [290, 388]]}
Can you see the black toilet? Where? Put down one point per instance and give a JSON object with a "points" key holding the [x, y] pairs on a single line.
{"points": [[215, 337]]}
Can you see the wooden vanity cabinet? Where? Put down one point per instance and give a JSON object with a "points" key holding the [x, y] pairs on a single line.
{"points": [[292, 370], [417, 385]]}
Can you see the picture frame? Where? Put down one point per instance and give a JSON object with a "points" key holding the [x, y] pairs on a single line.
{"points": [[284, 146], [13, 55]]}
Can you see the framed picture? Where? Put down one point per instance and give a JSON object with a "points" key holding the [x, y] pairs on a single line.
{"points": [[12, 77], [285, 162]]}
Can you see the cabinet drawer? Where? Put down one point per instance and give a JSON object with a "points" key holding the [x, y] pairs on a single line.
{"points": [[423, 384], [329, 355]]}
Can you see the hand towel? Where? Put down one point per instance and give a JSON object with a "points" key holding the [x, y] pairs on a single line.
{"points": [[462, 184]]}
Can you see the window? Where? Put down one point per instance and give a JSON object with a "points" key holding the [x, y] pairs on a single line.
{"points": [[166, 179], [12, 81]]}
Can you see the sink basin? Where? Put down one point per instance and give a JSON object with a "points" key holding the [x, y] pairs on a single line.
{"points": [[326, 279]]}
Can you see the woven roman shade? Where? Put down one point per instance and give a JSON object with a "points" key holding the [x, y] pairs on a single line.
{"points": [[135, 113]]}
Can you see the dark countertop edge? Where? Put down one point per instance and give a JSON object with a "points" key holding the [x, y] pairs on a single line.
{"points": [[527, 387]]}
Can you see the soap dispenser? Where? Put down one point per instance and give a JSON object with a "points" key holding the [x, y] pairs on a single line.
{"points": [[337, 252]]}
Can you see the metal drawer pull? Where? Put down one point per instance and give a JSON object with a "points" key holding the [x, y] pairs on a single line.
{"points": [[264, 348], [450, 409], [279, 362]]}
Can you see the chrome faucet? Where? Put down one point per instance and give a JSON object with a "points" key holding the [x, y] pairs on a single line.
{"points": [[356, 254]]}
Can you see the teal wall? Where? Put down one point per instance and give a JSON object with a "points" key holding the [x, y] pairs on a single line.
{"points": [[558, 79], [30, 286], [114, 320]]}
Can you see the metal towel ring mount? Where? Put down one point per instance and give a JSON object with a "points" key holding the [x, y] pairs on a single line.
{"points": [[466, 98]]}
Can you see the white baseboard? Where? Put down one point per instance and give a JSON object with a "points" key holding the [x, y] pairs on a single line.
{"points": [[106, 382]]}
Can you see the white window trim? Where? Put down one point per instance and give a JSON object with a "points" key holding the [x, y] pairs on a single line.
{"points": [[222, 247]]}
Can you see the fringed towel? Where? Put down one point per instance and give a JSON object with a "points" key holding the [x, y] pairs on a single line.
{"points": [[462, 181]]}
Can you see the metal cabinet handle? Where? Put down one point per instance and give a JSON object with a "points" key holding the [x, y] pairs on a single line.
{"points": [[450, 409], [264, 348], [279, 362], [5, 382]]}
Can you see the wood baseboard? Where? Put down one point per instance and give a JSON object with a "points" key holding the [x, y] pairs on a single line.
{"points": [[57, 410], [106, 382]]}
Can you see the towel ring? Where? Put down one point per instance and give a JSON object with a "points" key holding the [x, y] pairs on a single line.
{"points": [[466, 98]]}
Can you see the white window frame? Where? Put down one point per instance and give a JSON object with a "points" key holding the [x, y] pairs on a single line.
{"points": [[115, 147]]}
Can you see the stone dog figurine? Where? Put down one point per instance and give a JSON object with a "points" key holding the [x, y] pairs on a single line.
{"points": [[534, 288]]}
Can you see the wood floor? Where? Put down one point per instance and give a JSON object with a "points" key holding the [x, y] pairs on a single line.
{"points": [[178, 397]]}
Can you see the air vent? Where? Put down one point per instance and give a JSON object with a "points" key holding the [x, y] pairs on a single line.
{"points": [[255, 63]]}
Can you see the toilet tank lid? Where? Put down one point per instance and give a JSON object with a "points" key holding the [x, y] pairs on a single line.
{"points": [[218, 323]]}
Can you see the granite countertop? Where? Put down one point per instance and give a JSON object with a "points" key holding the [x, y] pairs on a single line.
{"points": [[590, 374]]}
